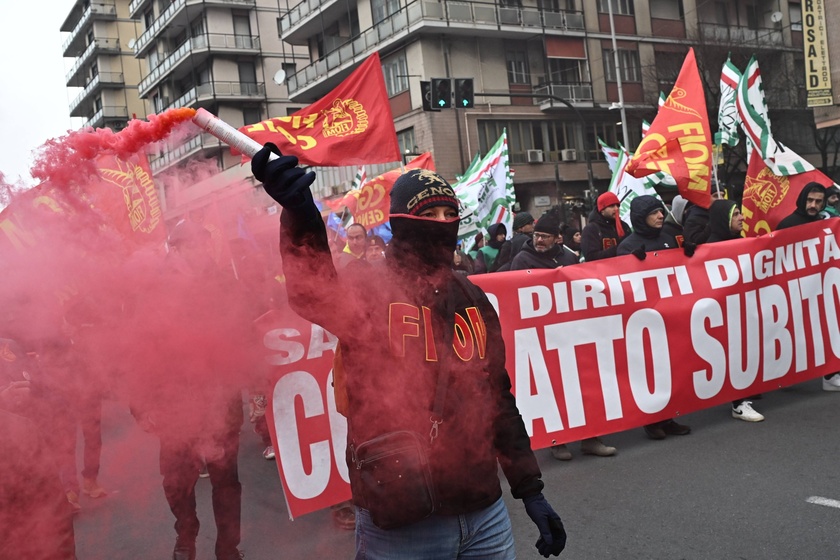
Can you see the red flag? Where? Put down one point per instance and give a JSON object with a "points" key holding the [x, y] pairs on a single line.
{"points": [[679, 139], [351, 125], [769, 198], [374, 199]]}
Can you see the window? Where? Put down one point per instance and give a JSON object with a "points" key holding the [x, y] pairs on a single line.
{"points": [[94, 70], [148, 18], [97, 103], [666, 9], [157, 103], [251, 115], [197, 27], [248, 78], [405, 139], [753, 16], [559, 5], [628, 61], [517, 67], [395, 71], [570, 71], [619, 7], [381, 9], [795, 17]]}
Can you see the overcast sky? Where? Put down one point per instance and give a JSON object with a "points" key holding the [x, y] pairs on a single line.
{"points": [[34, 99]]}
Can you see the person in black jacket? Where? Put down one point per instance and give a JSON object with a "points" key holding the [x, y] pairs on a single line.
{"points": [[674, 220], [605, 230], [725, 223], [523, 227], [546, 248], [486, 259], [393, 349], [647, 214], [696, 218], [809, 204]]}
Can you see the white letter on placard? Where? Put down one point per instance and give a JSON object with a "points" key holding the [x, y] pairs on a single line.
{"points": [[300, 384], [722, 273], [650, 321], [275, 340], [774, 318], [831, 301], [602, 332], [338, 431], [541, 404], [708, 348], [811, 287], [321, 341], [534, 301], [744, 339]]}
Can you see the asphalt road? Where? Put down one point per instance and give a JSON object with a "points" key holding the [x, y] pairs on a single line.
{"points": [[730, 490]]}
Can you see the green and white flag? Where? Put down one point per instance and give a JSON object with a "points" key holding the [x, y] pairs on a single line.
{"points": [[486, 192], [625, 186], [728, 119]]}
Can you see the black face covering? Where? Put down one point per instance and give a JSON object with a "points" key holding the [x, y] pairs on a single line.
{"points": [[421, 245]]}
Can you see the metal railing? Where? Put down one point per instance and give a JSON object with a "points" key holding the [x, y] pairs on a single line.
{"points": [[741, 35], [206, 41], [93, 9], [201, 141], [107, 112], [99, 79], [572, 92], [421, 11], [221, 89], [98, 44]]}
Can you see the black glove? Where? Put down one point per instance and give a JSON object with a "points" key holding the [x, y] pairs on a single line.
{"points": [[689, 248], [552, 539], [639, 253], [282, 179]]}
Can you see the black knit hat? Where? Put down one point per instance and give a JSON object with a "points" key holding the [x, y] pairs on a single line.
{"points": [[522, 219], [549, 222], [419, 189]]}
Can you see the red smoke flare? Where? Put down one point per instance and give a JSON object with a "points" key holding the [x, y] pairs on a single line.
{"points": [[69, 156]]}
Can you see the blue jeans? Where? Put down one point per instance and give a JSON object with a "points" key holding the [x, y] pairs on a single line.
{"points": [[484, 534]]}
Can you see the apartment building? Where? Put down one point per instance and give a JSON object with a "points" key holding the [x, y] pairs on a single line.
{"points": [[104, 67], [514, 49]]}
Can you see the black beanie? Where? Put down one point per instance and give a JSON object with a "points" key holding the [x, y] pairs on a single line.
{"points": [[418, 189], [522, 219], [549, 222]]}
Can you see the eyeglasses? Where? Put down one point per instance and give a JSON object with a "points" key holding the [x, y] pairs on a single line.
{"points": [[543, 236]]}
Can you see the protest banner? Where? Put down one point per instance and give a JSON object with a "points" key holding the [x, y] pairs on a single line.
{"points": [[606, 346]]}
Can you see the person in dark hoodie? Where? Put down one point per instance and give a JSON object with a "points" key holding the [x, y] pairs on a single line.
{"points": [[647, 214], [605, 230], [523, 227], [546, 248], [486, 258], [394, 349], [809, 204], [725, 223], [696, 218], [832, 202]]}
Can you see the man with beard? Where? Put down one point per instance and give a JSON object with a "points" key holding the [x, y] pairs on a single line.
{"points": [[647, 214], [547, 250], [809, 205], [605, 230], [395, 348]]}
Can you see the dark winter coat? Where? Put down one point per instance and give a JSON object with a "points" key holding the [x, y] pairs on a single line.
{"points": [[644, 236], [696, 224], [395, 331], [486, 260], [599, 239], [510, 249], [530, 258], [720, 217], [800, 216]]}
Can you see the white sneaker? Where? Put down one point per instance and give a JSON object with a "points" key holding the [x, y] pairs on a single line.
{"points": [[269, 453], [832, 383], [746, 412]]}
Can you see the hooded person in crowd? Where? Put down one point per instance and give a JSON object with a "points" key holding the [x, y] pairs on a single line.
{"points": [[395, 348], [832, 202], [674, 219], [545, 249], [486, 259], [809, 204], [647, 214], [523, 227], [571, 237], [725, 223], [696, 218], [605, 230]]}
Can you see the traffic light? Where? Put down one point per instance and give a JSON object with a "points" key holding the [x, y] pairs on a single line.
{"points": [[442, 93], [426, 94], [464, 93]]}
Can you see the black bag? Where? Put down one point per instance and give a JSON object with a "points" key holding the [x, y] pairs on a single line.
{"points": [[396, 480]]}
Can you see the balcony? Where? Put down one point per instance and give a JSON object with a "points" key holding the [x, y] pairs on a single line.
{"points": [[214, 91], [576, 94], [136, 6], [203, 141], [74, 45], [107, 114], [101, 81], [199, 47], [742, 36], [100, 45], [176, 16], [423, 16]]}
